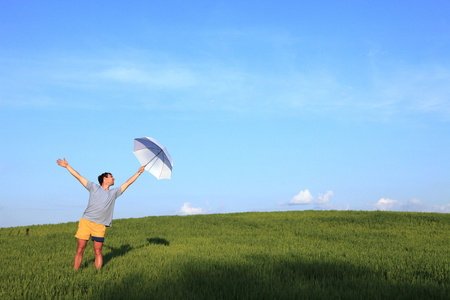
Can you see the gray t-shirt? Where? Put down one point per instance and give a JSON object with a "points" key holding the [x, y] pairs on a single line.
{"points": [[100, 208]]}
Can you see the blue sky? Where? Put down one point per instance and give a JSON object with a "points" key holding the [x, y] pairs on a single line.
{"points": [[263, 105]]}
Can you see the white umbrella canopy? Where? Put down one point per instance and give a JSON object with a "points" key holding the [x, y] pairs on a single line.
{"points": [[154, 157]]}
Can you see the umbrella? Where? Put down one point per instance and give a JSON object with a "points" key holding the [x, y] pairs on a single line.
{"points": [[154, 157]]}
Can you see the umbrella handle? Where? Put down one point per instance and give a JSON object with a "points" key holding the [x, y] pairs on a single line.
{"points": [[153, 158]]}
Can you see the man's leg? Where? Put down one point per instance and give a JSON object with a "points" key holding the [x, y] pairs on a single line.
{"points": [[98, 254], [79, 255]]}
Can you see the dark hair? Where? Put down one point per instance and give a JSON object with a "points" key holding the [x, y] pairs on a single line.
{"points": [[100, 178]]}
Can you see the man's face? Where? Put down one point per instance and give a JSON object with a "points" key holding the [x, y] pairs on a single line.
{"points": [[109, 180]]}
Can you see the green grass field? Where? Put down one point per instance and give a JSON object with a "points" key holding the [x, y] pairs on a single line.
{"points": [[276, 255]]}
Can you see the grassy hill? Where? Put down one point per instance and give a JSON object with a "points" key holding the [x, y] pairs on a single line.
{"points": [[276, 255]]}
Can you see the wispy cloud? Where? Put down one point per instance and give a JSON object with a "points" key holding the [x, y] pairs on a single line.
{"points": [[210, 84], [420, 89], [159, 77]]}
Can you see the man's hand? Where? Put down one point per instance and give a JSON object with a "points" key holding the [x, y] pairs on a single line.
{"points": [[141, 169], [132, 179], [62, 163], [65, 164]]}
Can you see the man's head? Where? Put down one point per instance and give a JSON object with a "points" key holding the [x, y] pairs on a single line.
{"points": [[106, 178]]}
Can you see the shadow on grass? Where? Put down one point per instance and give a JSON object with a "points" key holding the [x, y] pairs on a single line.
{"points": [[124, 249], [263, 277], [116, 252], [158, 241]]}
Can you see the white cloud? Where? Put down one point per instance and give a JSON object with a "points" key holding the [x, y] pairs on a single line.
{"points": [[305, 198], [324, 198], [187, 209], [411, 205], [387, 204], [442, 208], [416, 205]]}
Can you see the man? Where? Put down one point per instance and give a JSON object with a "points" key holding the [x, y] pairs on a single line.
{"points": [[99, 213]]}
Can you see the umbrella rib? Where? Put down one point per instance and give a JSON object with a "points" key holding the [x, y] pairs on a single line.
{"points": [[147, 149], [162, 169], [153, 157]]}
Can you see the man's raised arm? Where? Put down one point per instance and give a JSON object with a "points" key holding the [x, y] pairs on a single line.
{"points": [[65, 164], [132, 179]]}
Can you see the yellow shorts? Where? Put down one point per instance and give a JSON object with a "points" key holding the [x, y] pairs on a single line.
{"points": [[88, 228]]}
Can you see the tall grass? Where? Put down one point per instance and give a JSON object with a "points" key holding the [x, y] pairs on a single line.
{"points": [[277, 255]]}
